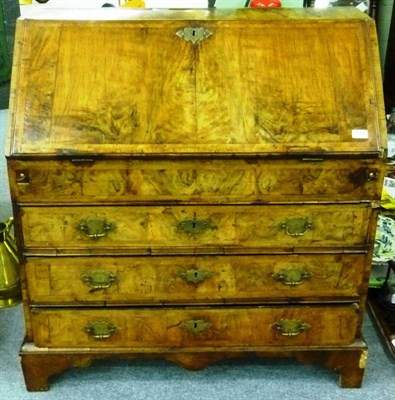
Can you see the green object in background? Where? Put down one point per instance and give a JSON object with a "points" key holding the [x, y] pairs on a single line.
{"points": [[5, 57], [9, 12]]}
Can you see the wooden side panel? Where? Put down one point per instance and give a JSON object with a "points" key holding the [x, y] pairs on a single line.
{"points": [[203, 181], [175, 328], [213, 279], [196, 227]]}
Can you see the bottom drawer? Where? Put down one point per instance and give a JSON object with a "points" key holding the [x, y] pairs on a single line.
{"points": [[196, 327]]}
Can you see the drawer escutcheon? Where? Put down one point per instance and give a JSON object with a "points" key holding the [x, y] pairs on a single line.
{"points": [[195, 226], [196, 326], [195, 275], [193, 34]]}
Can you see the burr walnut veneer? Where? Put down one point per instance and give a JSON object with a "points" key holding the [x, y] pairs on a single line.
{"points": [[195, 185]]}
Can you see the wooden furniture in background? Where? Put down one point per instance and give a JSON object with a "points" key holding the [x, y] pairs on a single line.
{"points": [[185, 187], [383, 310]]}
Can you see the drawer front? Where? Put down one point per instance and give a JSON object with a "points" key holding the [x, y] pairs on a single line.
{"points": [[198, 181], [211, 227], [282, 326], [211, 279]]}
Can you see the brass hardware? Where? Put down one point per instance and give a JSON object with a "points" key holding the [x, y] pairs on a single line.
{"points": [[101, 329], [195, 275], [196, 326], [372, 175], [194, 35], [98, 280], [195, 226], [291, 276], [10, 289], [297, 226], [363, 359], [290, 327], [95, 228], [22, 177]]}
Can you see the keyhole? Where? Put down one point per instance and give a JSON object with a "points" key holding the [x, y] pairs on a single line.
{"points": [[196, 274], [195, 325], [193, 32]]}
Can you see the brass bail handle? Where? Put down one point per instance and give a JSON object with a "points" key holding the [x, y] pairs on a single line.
{"points": [[98, 280], [101, 330], [292, 276], [290, 327], [95, 228], [297, 226]]}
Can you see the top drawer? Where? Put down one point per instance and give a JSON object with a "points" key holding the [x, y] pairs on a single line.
{"points": [[194, 181], [194, 229]]}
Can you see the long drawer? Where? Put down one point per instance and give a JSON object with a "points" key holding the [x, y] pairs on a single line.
{"points": [[282, 326], [205, 180], [195, 227], [184, 280]]}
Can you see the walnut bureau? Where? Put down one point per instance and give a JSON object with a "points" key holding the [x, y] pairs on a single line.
{"points": [[195, 185]]}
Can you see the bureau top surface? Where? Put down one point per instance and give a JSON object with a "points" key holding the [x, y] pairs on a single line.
{"points": [[190, 82]]}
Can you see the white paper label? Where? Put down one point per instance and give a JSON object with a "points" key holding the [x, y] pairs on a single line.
{"points": [[360, 134], [391, 145], [389, 186], [362, 7]]}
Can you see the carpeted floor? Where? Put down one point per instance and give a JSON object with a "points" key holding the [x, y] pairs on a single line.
{"points": [[252, 379]]}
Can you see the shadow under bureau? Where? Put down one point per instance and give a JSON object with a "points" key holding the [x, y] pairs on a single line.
{"points": [[195, 185]]}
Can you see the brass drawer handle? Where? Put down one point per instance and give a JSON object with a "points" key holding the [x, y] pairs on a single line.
{"points": [[196, 327], [95, 228], [98, 280], [101, 330], [290, 327], [195, 275], [297, 226], [194, 34], [195, 226], [291, 276]]}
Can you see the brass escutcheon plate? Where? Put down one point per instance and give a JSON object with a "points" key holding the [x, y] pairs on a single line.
{"points": [[194, 34]]}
